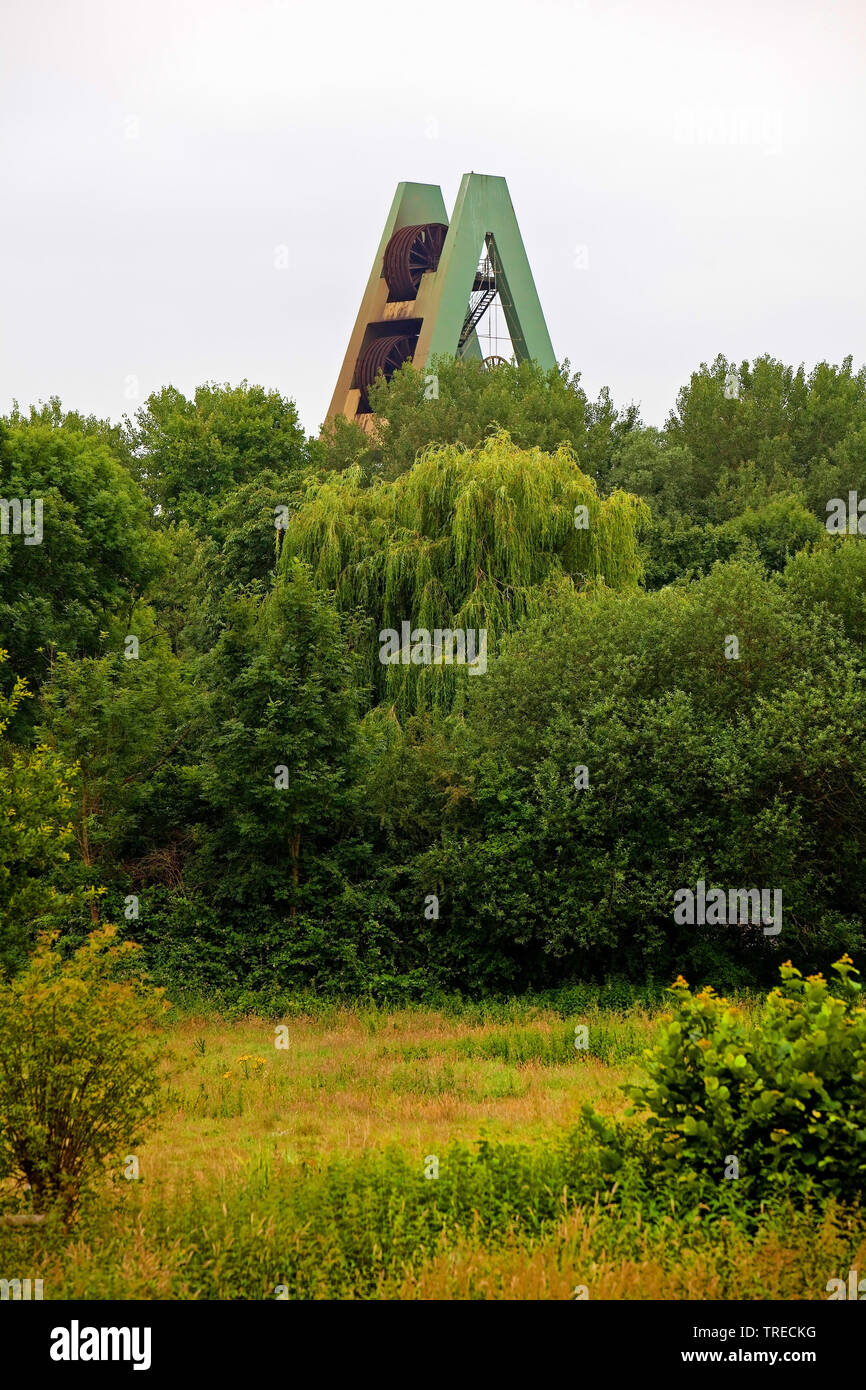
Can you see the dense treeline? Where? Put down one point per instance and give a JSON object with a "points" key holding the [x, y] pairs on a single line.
{"points": [[200, 741]]}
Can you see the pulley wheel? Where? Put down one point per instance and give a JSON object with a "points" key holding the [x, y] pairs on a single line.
{"points": [[382, 355], [410, 252]]}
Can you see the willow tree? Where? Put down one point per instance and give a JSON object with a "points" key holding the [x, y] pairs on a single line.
{"points": [[467, 540]]}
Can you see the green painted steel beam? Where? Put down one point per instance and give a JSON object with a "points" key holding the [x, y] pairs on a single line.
{"points": [[483, 215], [484, 210]]}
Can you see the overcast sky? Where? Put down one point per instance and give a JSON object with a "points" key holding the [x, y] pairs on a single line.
{"points": [[688, 179]]}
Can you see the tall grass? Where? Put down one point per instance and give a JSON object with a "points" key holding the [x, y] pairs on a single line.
{"points": [[500, 1220], [308, 1170]]}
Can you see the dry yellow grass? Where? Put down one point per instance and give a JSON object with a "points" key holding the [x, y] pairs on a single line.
{"points": [[211, 1217], [355, 1084], [575, 1261]]}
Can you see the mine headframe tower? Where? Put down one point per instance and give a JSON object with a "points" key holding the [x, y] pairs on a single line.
{"points": [[432, 284]]}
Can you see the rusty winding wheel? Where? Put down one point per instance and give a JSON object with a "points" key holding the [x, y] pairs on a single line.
{"points": [[410, 252], [382, 355]]}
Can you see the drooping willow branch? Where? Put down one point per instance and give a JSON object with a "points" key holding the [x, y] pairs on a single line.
{"points": [[466, 539]]}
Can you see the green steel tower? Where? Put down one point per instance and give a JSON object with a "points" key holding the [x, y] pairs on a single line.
{"points": [[432, 283]]}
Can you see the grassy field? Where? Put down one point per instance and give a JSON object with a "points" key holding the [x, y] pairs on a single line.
{"points": [[360, 1081], [306, 1171]]}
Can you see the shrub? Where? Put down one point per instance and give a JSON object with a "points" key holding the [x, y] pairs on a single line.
{"points": [[78, 1069], [36, 792], [784, 1093]]}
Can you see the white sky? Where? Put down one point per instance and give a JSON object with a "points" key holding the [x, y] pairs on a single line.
{"points": [[709, 159]]}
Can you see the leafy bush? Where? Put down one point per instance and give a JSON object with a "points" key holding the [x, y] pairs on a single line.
{"points": [[78, 1071], [784, 1093], [699, 767], [36, 836]]}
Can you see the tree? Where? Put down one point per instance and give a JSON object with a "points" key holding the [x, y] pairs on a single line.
{"points": [[830, 579], [37, 787], [95, 557], [772, 532], [789, 431], [460, 402], [740, 772], [193, 453], [730, 413], [121, 721], [467, 539], [275, 773]]}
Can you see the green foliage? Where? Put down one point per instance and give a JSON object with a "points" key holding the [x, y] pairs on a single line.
{"points": [[783, 1092], [469, 539], [217, 468], [272, 782], [367, 1227], [831, 579], [234, 550], [609, 1039], [538, 409], [78, 1069], [121, 723], [780, 418], [659, 469], [699, 767], [95, 558], [243, 532], [342, 1229], [777, 530], [36, 835], [259, 651], [193, 453], [774, 531], [186, 609], [749, 453]]}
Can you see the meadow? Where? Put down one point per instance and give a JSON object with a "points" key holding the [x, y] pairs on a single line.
{"points": [[415, 1154]]}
